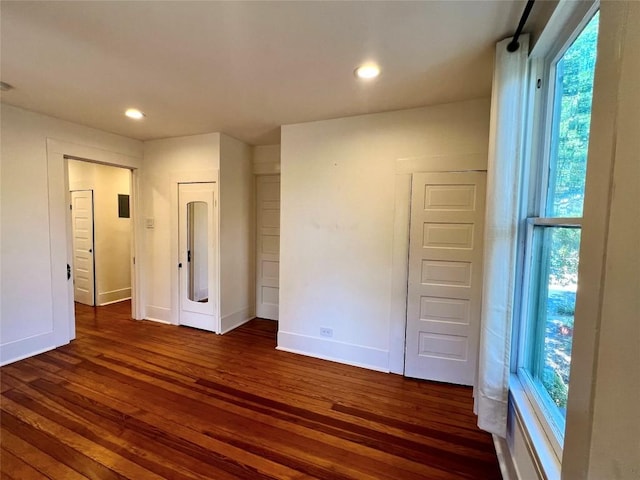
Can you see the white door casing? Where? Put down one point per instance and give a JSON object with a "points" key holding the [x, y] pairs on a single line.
{"points": [[445, 276], [83, 246], [198, 287], [268, 246], [59, 314]]}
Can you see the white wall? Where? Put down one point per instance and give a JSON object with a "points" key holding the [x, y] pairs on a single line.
{"points": [[211, 157], [237, 233], [27, 286], [166, 163], [337, 221], [112, 249], [266, 159]]}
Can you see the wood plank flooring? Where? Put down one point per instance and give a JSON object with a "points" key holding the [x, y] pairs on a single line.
{"points": [[143, 400]]}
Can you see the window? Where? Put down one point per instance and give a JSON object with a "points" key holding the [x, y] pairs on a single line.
{"points": [[564, 85]]}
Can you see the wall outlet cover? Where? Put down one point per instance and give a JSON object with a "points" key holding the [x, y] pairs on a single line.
{"points": [[326, 332]]}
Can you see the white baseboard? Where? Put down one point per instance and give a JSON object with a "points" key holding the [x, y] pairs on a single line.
{"points": [[334, 351], [507, 467], [113, 301], [113, 296], [24, 348], [158, 321], [158, 314], [234, 320]]}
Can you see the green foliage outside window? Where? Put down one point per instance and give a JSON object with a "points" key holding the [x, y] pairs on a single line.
{"points": [[574, 85], [565, 197]]}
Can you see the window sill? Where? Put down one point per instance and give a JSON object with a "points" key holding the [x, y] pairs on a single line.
{"points": [[541, 450]]}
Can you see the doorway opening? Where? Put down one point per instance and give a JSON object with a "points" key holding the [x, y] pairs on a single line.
{"points": [[101, 234]]}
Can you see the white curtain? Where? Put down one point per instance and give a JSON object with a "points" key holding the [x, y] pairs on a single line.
{"points": [[500, 241]]}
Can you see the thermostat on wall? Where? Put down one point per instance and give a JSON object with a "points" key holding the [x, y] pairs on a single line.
{"points": [[149, 222]]}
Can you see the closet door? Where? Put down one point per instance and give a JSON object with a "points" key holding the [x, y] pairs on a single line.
{"points": [[268, 246], [197, 256], [445, 276]]}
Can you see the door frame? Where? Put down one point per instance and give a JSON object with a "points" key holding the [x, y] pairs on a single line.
{"points": [[93, 242], [58, 154], [404, 169]]}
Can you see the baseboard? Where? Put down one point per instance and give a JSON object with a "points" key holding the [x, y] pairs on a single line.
{"points": [[507, 467], [158, 314], [113, 301], [334, 351], [113, 296], [234, 320], [164, 322], [25, 348]]}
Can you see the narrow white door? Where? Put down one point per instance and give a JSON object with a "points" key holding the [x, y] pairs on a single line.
{"points": [[445, 275], [268, 246], [197, 260], [83, 255]]}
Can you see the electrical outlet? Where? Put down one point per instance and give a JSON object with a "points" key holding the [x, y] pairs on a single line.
{"points": [[326, 332]]}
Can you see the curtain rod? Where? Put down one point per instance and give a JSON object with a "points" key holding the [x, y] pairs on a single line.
{"points": [[513, 44]]}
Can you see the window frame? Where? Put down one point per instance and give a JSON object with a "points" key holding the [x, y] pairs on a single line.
{"points": [[537, 142]]}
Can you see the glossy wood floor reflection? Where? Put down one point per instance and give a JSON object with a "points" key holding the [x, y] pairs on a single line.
{"points": [[143, 400]]}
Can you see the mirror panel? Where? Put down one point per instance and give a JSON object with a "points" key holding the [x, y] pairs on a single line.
{"points": [[198, 252]]}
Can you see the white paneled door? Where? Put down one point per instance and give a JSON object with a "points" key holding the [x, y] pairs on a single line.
{"points": [[445, 276], [83, 254], [268, 246]]}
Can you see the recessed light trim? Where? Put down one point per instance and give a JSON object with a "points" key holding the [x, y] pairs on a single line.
{"points": [[367, 72], [134, 113]]}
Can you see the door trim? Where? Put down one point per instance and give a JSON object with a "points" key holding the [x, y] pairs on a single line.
{"points": [[58, 154]]}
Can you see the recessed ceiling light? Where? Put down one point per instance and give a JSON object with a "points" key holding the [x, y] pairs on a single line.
{"points": [[367, 71], [5, 87], [134, 113]]}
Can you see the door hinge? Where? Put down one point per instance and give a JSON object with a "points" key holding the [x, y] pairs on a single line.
{"points": [[70, 207], [68, 271], [134, 260]]}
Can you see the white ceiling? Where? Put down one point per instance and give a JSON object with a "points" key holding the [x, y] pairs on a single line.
{"points": [[243, 68]]}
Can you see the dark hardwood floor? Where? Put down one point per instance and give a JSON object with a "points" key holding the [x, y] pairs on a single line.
{"points": [[142, 400]]}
